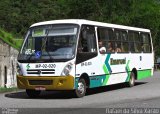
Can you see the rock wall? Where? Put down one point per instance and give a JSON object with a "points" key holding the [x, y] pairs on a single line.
{"points": [[8, 60]]}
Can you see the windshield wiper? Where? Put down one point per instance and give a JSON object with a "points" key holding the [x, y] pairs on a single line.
{"points": [[42, 48], [45, 40], [44, 45]]}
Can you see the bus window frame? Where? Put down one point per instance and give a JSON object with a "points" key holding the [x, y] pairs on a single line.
{"points": [[149, 43], [106, 40], [121, 40], [134, 42], [85, 55]]}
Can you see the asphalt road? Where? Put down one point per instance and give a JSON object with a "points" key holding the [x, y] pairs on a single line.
{"points": [[145, 94]]}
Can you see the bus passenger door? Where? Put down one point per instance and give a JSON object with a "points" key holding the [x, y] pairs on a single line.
{"points": [[87, 52]]}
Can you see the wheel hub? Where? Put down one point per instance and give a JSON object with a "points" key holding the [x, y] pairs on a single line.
{"points": [[132, 79], [81, 87]]}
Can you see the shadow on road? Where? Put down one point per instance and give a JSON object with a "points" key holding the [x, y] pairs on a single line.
{"points": [[110, 88], [68, 94]]}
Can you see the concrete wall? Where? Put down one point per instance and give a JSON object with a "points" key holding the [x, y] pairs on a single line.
{"points": [[8, 59], [158, 60]]}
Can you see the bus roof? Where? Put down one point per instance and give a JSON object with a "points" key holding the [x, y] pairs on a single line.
{"points": [[88, 22]]}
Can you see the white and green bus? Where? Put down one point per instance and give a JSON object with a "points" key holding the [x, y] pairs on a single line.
{"points": [[77, 54]]}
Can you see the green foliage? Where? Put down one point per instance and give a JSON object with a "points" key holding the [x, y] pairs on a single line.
{"points": [[8, 38], [2, 89], [17, 15]]}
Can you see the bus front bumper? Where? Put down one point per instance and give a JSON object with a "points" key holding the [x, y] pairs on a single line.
{"points": [[46, 83]]}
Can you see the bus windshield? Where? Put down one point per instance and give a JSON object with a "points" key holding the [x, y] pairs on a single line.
{"points": [[49, 43]]}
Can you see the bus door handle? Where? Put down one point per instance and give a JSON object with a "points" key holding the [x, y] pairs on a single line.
{"points": [[140, 58]]}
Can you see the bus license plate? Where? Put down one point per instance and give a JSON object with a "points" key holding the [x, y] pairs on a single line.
{"points": [[45, 66], [40, 88]]}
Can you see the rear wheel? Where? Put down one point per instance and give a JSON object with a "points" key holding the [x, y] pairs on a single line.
{"points": [[131, 82], [81, 90], [32, 93]]}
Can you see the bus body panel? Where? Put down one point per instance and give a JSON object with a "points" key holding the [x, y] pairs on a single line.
{"points": [[46, 83], [108, 69], [45, 69], [102, 70], [39, 75]]}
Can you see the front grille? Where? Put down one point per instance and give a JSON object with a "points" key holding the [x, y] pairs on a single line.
{"points": [[40, 82], [41, 71]]}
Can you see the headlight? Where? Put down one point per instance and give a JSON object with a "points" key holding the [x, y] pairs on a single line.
{"points": [[67, 69], [19, 71]]}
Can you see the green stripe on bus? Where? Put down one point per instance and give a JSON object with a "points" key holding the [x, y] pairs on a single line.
{"points": [[144, 74], [107, 74], [128, 71], [98, 81], [107, 63]]}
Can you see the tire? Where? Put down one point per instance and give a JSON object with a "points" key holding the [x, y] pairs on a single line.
{"points": [[131, 82], [32, 93], [81, 90]]}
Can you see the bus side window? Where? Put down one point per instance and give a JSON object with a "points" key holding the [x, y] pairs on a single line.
{"points": [[105, 39], [87, 42], [118, 40], [125, 44], [84, 41], [87, 46], [134, 42], [137, 43], [146, 45], [82, 44]]}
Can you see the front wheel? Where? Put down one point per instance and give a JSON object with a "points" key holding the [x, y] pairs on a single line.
{"points": [[32, 93], [131, 82], [81, 90]]}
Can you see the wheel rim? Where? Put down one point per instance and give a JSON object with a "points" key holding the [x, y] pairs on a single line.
{"points": [[81, 87]]}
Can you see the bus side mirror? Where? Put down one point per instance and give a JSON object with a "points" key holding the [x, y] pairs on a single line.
{"points": [[102, 50]]}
